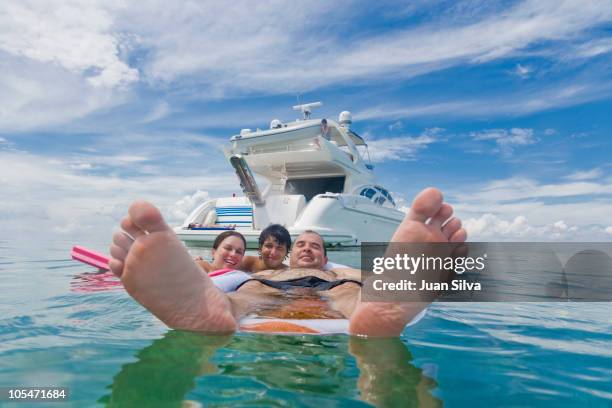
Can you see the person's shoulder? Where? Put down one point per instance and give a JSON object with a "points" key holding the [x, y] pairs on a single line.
{"points": [[250, 263]]}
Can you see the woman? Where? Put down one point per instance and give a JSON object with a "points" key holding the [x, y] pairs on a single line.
{"points": [[274, 245], [227, 252]]}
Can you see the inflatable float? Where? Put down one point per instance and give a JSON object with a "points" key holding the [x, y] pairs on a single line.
{"points": [[228, 280]]}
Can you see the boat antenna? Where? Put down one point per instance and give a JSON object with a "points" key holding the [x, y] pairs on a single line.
{"points": [[306, 108]]}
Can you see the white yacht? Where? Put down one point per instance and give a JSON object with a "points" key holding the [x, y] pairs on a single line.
{"points": [[316, 178]]}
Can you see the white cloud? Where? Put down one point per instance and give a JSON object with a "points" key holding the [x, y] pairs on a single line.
{"points": [[525, 209], [594, 48], [580, 135], [159, 111], [524, 101], [522, 71], [440, 45], [33, 95], [401, 148], [506, 139], [81, 166], [183, 207], [76, 35], [220, 47], [433, 109], [115, 161], [59, 60], [585, 175], [397, 125], [62, 60], [490, 227], [41, 197], [518, 188], [550, 132], [609, 230]]}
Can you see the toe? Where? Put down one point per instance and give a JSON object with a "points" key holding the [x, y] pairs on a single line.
{"points": [[443, 214], [116, 267], [122, 240], [147, 217], [130, 228], [426, 204], [118, 252], [459, 236], [451, 227]]}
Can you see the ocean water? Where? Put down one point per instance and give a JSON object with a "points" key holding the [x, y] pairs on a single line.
{"points": [[63, 325]]}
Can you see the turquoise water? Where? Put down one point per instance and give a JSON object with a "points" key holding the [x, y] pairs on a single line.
{"points": [[56, 330]]}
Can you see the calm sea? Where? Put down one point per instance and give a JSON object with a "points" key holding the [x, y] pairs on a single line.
{"points": [[63, 325]]}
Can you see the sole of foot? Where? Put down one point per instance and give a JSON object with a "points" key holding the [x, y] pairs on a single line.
{"points": [[156, 270], [429, 220]]}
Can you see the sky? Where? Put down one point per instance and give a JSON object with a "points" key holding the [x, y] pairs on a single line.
{"points": [[503, 105]]}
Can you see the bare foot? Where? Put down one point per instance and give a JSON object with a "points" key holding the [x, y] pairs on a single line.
{"points": [[429, 220], [159, 273]]}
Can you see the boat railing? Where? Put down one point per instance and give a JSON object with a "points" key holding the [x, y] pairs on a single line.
{"points": [[312, 144]]}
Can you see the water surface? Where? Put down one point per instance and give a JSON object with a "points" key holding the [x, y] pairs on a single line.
{"points": [[63, 325]]}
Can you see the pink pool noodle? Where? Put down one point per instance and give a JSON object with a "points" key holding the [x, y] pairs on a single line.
{"points": [[90, 257]]}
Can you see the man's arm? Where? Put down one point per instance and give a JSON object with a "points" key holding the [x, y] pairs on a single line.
{"points": [[347, 273]]}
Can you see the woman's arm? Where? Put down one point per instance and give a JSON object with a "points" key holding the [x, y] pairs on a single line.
{"points": [[203, 264]]}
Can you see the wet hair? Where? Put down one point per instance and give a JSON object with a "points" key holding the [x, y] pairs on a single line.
{"points": [[319, 235], [221, 237], [278, 232]]}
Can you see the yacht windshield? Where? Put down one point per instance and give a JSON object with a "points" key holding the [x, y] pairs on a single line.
{"points": [[358, 140], [310, 187]]}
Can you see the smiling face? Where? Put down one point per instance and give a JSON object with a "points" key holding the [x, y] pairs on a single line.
{"points": [[228, 254], [308, 252], [273, 253]]}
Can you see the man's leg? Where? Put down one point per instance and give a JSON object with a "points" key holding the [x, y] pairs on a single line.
{"points": [[429, 220], [157, 271]]}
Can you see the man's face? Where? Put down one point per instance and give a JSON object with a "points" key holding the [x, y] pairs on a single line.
{"points": [[307, 252]]}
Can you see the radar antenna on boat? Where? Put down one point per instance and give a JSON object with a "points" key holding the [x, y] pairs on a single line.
{"points": [[306, 108]]}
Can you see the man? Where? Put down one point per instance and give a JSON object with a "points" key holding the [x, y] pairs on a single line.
{"points": [[325, 129], [158, 272], [322, 293]]}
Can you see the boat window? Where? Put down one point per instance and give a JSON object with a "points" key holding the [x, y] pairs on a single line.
{"points": [[385, 193], [380, 200], [357, 140], [310, 187], [368, 192]]}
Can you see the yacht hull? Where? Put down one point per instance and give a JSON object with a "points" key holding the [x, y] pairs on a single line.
{"points": [[341, 219]]}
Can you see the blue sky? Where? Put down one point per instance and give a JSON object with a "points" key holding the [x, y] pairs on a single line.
{"points": [[505, 106]]}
